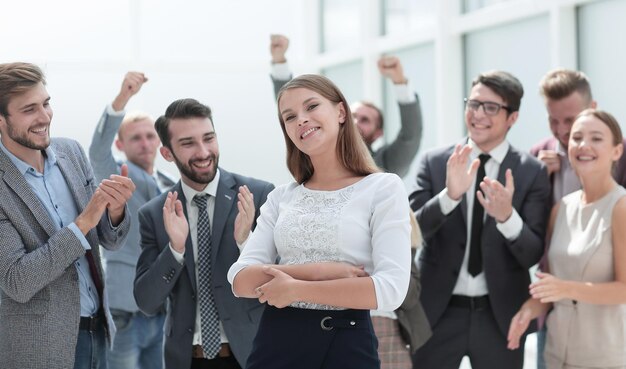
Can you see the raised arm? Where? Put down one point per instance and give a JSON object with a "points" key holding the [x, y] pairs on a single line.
{"points": [[100, 153], [399, 154], [278, 48]]}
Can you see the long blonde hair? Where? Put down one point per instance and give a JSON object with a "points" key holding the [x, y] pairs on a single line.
{"points": [[351, 150]]}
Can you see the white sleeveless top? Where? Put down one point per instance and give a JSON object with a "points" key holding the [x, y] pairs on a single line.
{"points": [[581, 249]]}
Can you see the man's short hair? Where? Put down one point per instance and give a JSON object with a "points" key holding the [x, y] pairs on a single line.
{"points": [[15, 79], [560, 83], [180, 109], [503, 84], [133, 117]]}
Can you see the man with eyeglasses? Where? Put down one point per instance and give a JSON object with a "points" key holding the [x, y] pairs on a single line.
{"points": [[483, 209], [566, 93]]}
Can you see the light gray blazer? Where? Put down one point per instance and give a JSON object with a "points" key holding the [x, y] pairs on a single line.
{"points": [[121, 265], [40, 308], [161, 278]]}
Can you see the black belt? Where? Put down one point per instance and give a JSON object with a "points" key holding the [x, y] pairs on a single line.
{"points": [[90, 323], [473, 303]]}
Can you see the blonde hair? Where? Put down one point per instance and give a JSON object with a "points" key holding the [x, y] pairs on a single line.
{"points": [[351, 150], [131, 118]]}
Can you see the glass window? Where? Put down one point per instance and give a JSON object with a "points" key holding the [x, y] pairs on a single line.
{"points": [[522, 49], [349, 78], [601, 55], [419, 67], [341, 23], [403, 16], [471, 5]]}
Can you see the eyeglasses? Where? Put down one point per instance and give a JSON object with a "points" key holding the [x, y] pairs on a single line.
{"points": [[489, 107]]}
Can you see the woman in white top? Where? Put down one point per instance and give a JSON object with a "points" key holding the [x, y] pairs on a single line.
{"points": [[586, 283], [340, 234]]}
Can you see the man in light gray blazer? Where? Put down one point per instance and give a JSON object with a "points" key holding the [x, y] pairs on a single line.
{"points": [[483, 208], [54, 308], [170, 267], [139, 339]]}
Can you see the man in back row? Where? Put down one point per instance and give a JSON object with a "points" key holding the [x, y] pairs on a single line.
{"points": [[139, 340]]}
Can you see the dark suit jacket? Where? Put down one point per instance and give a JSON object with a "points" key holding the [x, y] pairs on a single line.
{"points": [[505, 262], [160, 277], [619, 172]]}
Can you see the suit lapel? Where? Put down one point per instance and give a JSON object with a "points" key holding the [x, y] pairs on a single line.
{"points": [[16, 181], [74, 182], [190, 263], [224, 200]]}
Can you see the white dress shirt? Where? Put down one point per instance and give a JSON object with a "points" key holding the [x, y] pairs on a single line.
{"points": [[192, 219], [466, 284]]}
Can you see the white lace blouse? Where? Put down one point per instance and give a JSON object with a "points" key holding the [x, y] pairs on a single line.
{"points": [[366, 223]]}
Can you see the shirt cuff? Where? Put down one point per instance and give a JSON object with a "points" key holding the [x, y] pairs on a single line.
{"points": [[404, 95], [81, 237], [512, 227], [446, 204], [114, 113], [179, 256], [243, 244], [281, 71]]}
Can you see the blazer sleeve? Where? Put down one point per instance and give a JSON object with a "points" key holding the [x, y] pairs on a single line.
{"points": [[25, 271], [100, 153], [424, 200], [534, 210], [399, 154], [278, 84], [157, 269]]}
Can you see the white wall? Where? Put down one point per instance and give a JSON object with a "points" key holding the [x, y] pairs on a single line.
{"points": [[216, 52]]}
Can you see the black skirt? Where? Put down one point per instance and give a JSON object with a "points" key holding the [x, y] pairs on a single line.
{"points": [[292, 338]]}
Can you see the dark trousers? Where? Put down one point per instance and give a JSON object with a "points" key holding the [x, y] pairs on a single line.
{"points": [[217, 363], [291, 338], [472, 332]]}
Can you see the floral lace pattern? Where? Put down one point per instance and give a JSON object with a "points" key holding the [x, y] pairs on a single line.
{"points": [[307, 231]]}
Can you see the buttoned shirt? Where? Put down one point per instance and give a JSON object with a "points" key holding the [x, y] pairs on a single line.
{"points": [[55, 196], [510, 229]]}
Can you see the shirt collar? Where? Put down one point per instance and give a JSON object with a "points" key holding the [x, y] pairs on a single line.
{"points": [[210, 188], [50, 159], [497, 153]]}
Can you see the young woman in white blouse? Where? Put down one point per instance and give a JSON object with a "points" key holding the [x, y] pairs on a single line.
{"points": [[340, 234]]}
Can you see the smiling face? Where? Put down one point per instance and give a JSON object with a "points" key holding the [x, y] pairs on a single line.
{"points": [[592, 148], [563, 112], [26, 128], [194, 150], [311, 121], [139, 142], [367, 121], [487, 131]]}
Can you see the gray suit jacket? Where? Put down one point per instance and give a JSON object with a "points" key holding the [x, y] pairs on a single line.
{"points": [[121, 265], [160, 277], [397, 156], [505, 262], [40, 308]]}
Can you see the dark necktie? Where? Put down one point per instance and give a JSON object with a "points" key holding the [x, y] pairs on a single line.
{"points": [[94, 273], [209, 318], [475, 264]]}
